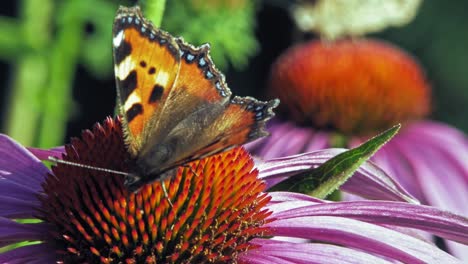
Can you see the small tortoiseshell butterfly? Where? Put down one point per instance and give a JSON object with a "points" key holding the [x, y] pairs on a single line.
{"points": [[175, 104]]}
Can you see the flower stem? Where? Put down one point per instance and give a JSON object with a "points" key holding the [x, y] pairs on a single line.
{"points": [[63, 61], [10, 47], [30, 71]]}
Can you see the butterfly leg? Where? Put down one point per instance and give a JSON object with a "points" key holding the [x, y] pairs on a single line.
{"points": [[165, 193], [191, 169]]}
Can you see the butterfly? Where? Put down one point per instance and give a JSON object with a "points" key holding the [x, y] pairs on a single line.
{"points": [[175, 105]]}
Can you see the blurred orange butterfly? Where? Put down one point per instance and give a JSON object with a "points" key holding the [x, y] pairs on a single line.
{"points": [[175, 104]]}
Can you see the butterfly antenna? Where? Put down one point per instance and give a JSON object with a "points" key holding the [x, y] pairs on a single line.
{"points": [[166, 194], [56, 160]]}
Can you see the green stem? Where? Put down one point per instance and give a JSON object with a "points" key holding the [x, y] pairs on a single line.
{"points": [[30, 72], [63, 60], [24, 113], [10, 47], [154, 10]]}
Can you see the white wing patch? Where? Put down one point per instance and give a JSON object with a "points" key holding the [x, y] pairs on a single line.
{"points": [[118, 38], [132, 99], [124, 68], [162, 78]]}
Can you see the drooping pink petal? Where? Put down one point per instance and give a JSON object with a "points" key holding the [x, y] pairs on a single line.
{"points": [[319, 140], [442, 178], [263, 259], [399, 167], [309, 253], [22, 166], [287, 140], [455, 140], [279, 197], [442, 223], [361, 235], [441, 174]]}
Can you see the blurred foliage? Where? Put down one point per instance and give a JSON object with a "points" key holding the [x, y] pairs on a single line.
{"points": [[46, 43], [228, 25], [52, 38]]}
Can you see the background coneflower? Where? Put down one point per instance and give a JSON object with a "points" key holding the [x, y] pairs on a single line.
{"points": [[221, 212], [339, 93]]}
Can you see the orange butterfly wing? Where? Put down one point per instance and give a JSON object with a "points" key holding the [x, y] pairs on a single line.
{"points": [[241, 119], [146, 66], [194, 114]]}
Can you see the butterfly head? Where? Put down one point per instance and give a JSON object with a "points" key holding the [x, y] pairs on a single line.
{"points": [[134, 182]]}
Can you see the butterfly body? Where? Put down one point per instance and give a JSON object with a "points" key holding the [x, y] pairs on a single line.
{"points": [[175, 104]]}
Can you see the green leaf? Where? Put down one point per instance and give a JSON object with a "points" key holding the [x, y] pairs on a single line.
{"points": [[228, 26], [322, 181]]}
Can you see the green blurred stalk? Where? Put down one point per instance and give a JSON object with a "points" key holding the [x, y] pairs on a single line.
{"points": [[154, 10], [42, 83], [41, 94], [10, 47], [24, 111], [30, 71], [63, 61]]}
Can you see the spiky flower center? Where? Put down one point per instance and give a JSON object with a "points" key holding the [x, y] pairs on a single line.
{"points": [[217, 207], [352, 86]]}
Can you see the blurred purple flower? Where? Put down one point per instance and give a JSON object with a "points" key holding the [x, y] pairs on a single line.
{"points": [[299, 228]]}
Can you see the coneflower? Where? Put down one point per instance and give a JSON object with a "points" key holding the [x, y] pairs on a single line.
{"points": [[221, 212], [340, 93]]}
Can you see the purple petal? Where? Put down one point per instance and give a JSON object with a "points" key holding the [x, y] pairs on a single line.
{"points": [[284, 201], [262, 259], [429, 160], [309, 253], [278, 142], [368, 181], [443, 133], [19, 165], [277, 197], [399, 167], [17, 190], [44, 154], [320, 140], [39, 253], [443, 178], [11, 207], [426, 218], [288, 139], [372, 182], [457, 250], [11, 231], [443, 183], [360, 235]]}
